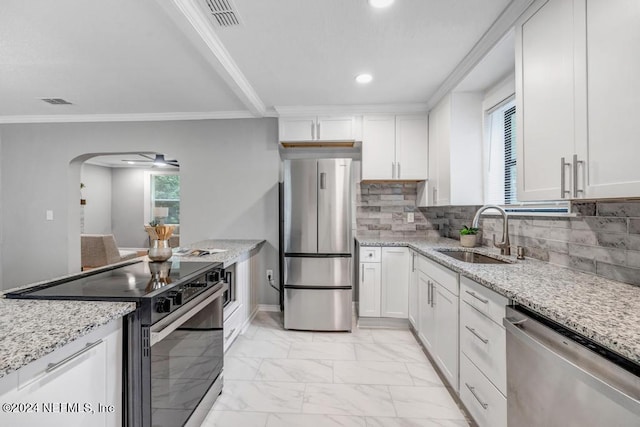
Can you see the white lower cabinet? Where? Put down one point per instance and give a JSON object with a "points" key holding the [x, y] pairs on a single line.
{"points": [[485, 403], [483, 373], [446, 305], [369, 290], [79, 384], [383, 283], [395, 269], [413, 292], [426, 313], [438, 314]]}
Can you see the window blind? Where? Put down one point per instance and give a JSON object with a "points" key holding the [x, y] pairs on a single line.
{"points": [[510, 186]]}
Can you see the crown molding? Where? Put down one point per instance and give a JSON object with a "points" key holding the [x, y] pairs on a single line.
{"points": [[306, 110], [194, 23], [489, 39], [143, 117]]}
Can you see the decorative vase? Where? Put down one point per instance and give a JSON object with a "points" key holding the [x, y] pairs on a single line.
{"points": [[468, 240], [160, 250]]}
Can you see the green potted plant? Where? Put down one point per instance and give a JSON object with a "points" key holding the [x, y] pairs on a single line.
{"points": [[468, 236]]}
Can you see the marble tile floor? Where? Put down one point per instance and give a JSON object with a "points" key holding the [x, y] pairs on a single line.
{"points": [[367, 378]]}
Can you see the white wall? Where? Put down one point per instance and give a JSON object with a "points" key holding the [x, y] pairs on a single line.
{"points": [[229, 179], [97, 193]]}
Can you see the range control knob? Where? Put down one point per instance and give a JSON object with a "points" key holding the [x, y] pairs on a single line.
{"points": [[176, 296], [163, 305]]}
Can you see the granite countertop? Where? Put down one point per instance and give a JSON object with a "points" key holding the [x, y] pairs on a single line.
{"points": [[31, 329], [233, 250], [604, 310]]}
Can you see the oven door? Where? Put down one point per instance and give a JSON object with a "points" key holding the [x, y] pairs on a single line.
{"points": [[186, 362]]}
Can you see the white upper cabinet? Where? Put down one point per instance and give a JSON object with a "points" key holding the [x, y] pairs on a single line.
{"points": [[455, 151], [545, 100], [612, 147], [317, 128], [411, 147], [577, 100], [394, 147], [378, 147]]}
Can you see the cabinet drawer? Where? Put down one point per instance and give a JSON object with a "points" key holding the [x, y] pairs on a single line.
{"points": [[442, 275], [369, 254], [490, 303], [485, 403], [483, 342], [232, 325]]}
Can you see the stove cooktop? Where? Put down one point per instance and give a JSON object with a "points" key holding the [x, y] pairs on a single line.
{"points": [[131, 282]]}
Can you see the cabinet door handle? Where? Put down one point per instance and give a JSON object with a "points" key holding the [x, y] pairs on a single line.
{"points": [[362, 275], [435, 199], [413, 262], [318, 131], [576, 162], [473, 294], [323, 180], [313, 131], [473, 391], [393, 170], [229, 334], [398, 170], [89, 346], [563, 177], [429, 292], [473, 331], [433, 294]]}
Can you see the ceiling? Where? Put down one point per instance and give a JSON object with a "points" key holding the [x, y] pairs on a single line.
{"points": [[167, 59]]}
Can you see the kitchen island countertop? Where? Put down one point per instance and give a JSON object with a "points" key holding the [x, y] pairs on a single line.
{"points": [[233, 249], [31, 329], [603, 310]]}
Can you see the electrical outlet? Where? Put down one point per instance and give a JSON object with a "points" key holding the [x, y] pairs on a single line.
{"points": [[410, 217], [269, 275], [49, 215]]}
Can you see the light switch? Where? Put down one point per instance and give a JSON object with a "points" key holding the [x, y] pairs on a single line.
{"points": [[410, 217], [49, 215]]}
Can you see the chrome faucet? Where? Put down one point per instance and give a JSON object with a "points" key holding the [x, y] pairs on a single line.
{"points": [[505, 248]]}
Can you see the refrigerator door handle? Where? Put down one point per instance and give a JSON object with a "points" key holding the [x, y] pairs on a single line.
{"points": [[323, 180]]}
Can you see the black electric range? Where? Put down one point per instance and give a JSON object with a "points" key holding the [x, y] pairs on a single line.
{"points": [[157, 288], [173, 341]]}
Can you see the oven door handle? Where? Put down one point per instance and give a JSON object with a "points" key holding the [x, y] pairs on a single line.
{"points": [[164, 327]]}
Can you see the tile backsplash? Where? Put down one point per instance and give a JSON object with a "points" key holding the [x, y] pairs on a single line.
{"points": [[604, 239]]}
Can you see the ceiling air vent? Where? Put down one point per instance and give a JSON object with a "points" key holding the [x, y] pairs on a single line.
{"points": [[56, 101], [223, 12]]}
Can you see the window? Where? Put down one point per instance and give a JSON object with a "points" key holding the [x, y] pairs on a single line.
{"points": [[509, 121], [502, 162], [164, 192]]}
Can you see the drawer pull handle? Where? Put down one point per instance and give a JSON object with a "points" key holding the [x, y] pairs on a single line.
{"points": [[473, 294], [230, 333], [473, 391], [473, 331], [89, 346]]}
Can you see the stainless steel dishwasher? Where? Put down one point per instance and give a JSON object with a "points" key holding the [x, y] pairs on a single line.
{"points": [[556, 377]]}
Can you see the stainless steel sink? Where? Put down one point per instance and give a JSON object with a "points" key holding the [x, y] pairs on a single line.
{"points": [[473, 257]]}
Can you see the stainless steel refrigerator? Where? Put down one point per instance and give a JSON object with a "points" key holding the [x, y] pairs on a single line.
{"points": [[317, 244]]}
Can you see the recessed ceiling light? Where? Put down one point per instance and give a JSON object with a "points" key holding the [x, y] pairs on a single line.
{"points": [[364, 78], [380, 3]]}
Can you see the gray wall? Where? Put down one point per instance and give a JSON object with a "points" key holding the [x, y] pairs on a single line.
{"points": [[97, 193], [229, 177], [127, 207]]}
